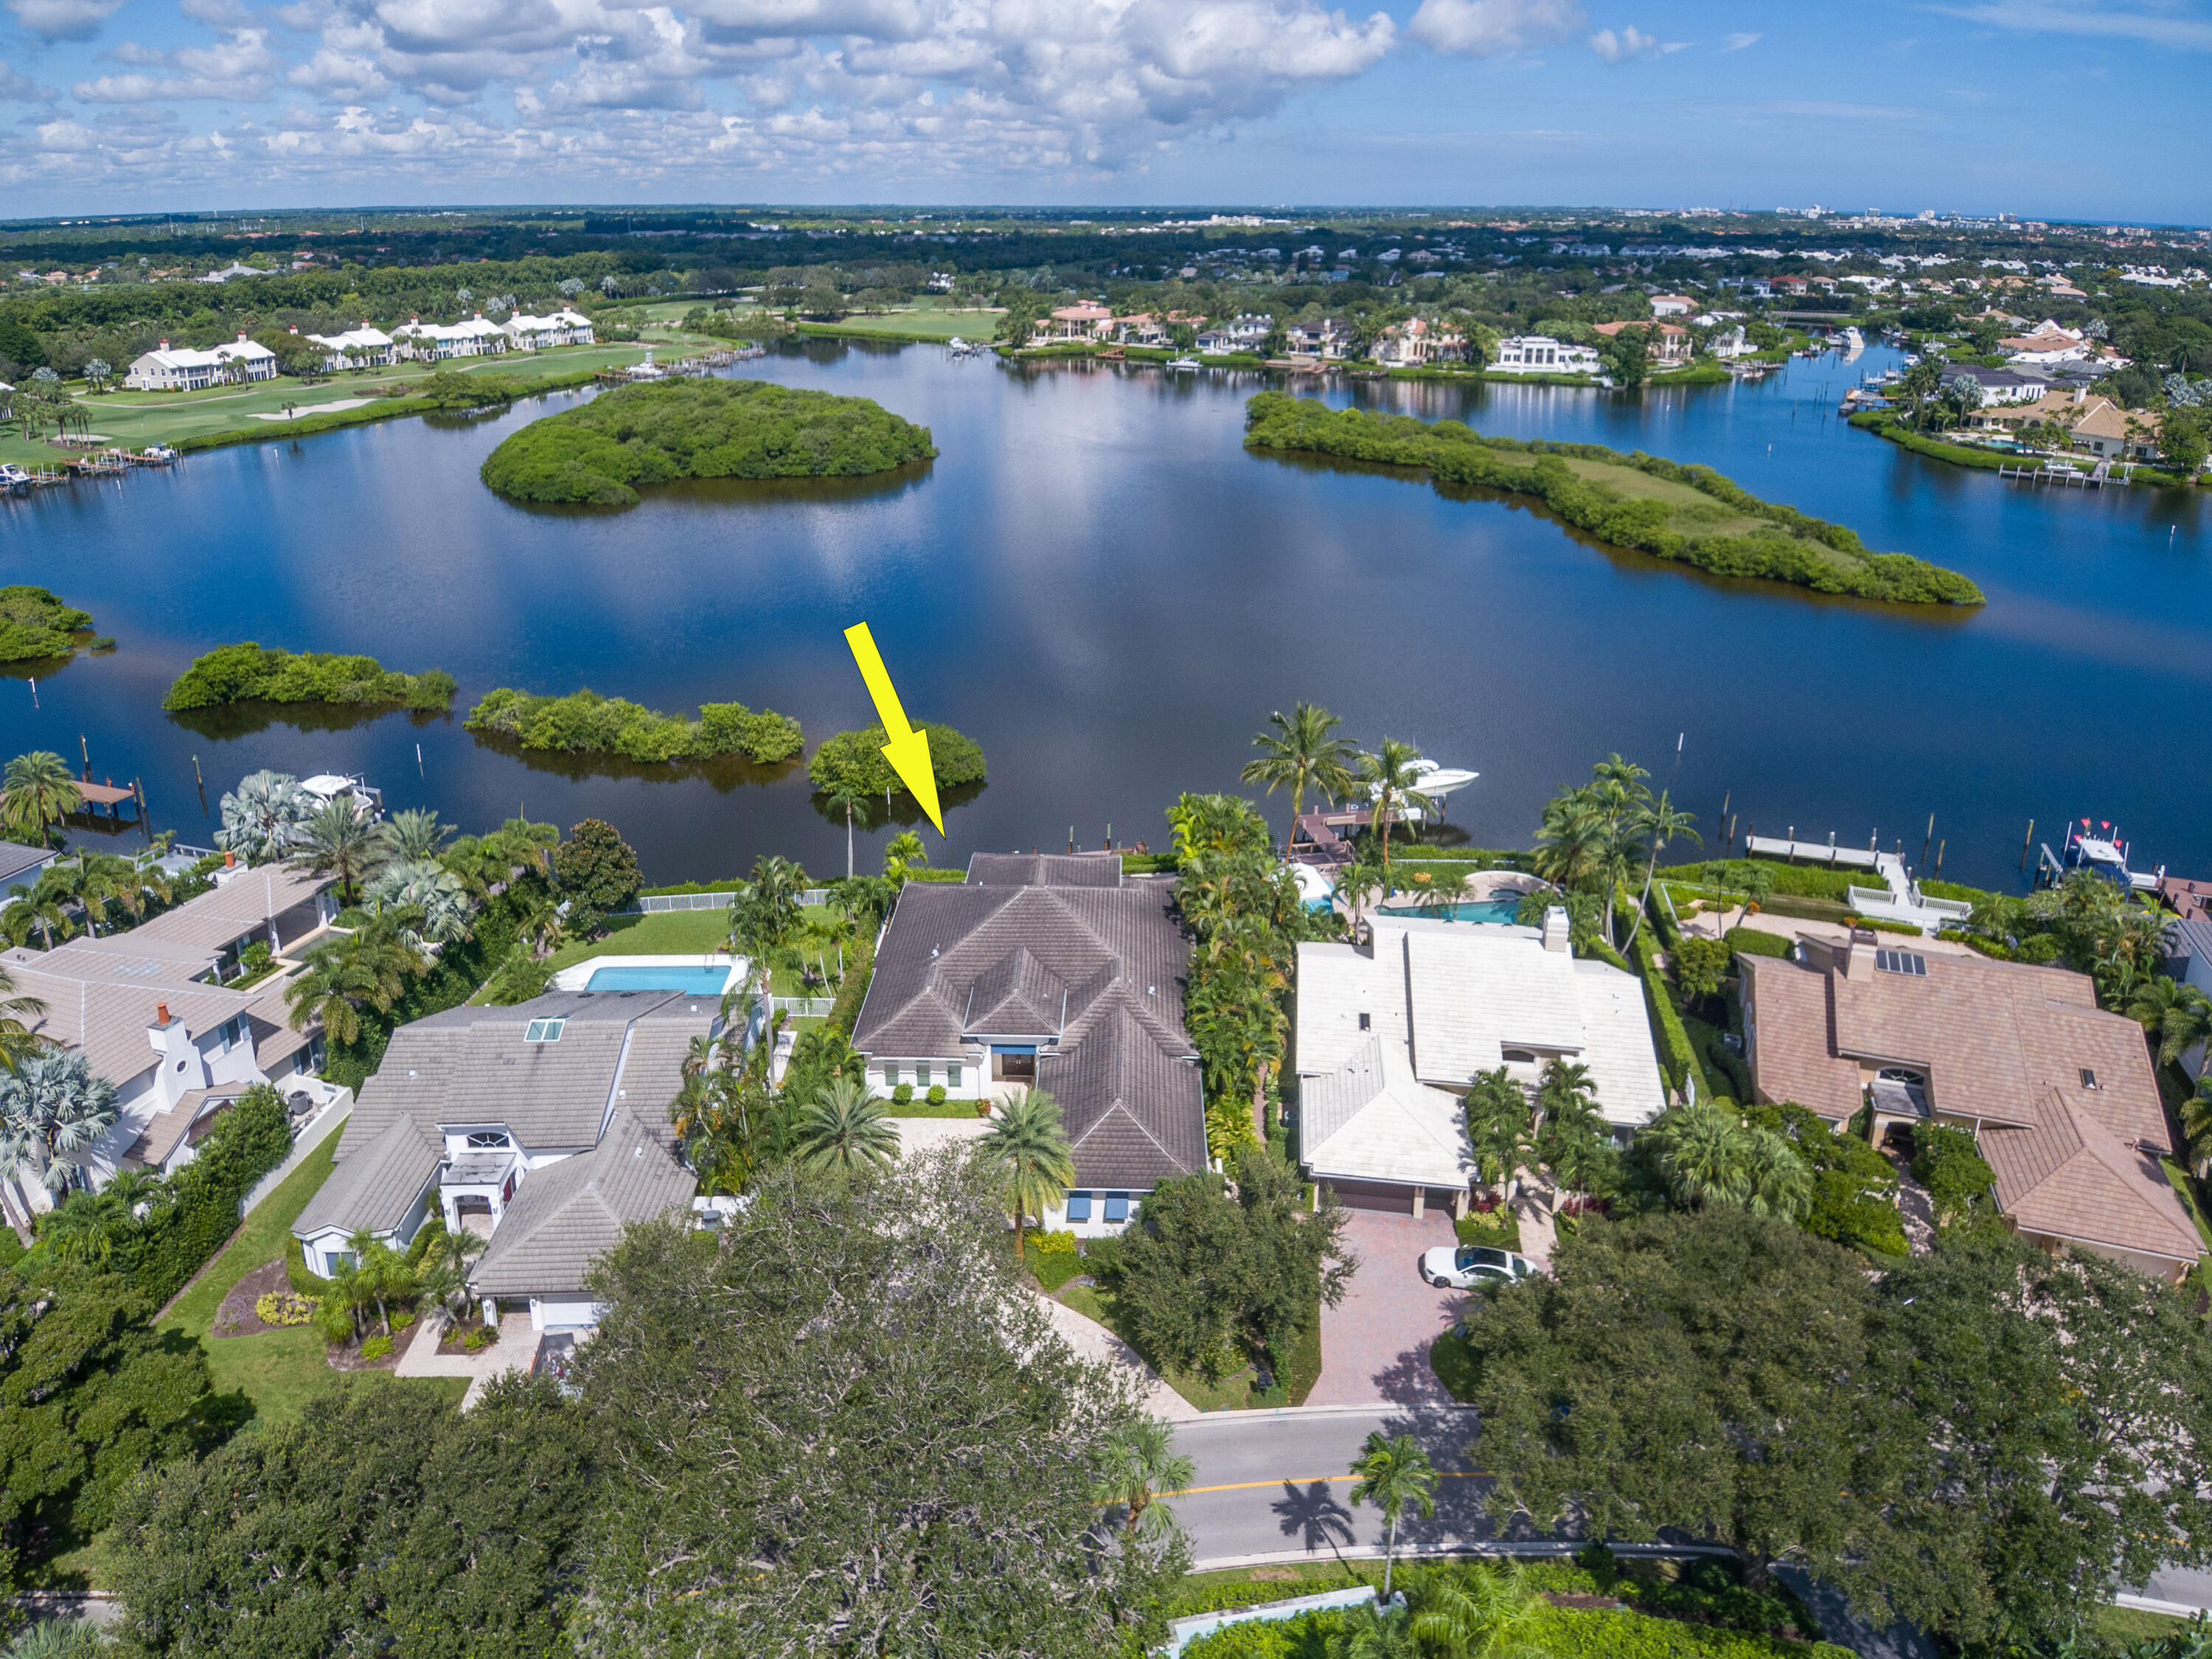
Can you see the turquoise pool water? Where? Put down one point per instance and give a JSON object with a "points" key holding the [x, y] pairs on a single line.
{"points": [[1489, 910], [700, 982]]}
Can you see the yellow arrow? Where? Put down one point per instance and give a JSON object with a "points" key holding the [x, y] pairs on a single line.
{"points": [[909, 750]]}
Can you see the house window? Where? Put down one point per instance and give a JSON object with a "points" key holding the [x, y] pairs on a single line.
{"points": [[486, 1140], [952, 1077], [1117, 1207], [921, 1077], [543, 1031], [1517, 1056], [341, 1261], [234, 1032], [1078, 1206]]}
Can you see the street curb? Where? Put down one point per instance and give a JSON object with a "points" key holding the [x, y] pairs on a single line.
{"points": [[1378, 1408], [2149, 1604], [1433, 1551]]}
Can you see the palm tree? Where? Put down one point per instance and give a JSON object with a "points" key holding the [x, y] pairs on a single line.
{"points": [[337, 841], [39, 908], [364, 969], [1571, 840], [1389, 773], [844, 798], [431, 895], [1659, 822], [1393, 1472], [1027, 1136], [83, 1226], [1778, 1183], [845, 1127], [2196, 1128], [1367, 1632], [1141, 1463], [1363, 878], [764, 916], [2177, 1017], [263, 816], [36, 792], [442, 1274], [1436, 891], [905, 848], [1565, 1090], [1495, 1613], [52, 1111], [1300, 753], [415, 835], [1496, 1126], [17, 1017]]}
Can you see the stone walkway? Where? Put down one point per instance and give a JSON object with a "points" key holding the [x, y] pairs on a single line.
{"points": [[516, 1347]]}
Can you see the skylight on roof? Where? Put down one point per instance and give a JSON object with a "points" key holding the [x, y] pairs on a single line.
{"points": [[1901, 961], [543, 1031]]}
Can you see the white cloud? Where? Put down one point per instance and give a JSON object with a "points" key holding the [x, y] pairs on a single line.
{"points": [[1629, 43], [241, 69], [63, 20], [22, 88], [1486, 28], [2162, 26], [1738, 42]]}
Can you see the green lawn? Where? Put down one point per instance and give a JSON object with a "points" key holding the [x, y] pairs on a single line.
{"points": [[278, 1371], [136, 419], [667, 933], [938, 324]]}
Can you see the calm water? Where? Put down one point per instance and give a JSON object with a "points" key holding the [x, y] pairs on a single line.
{"points": [[1095, 582]]}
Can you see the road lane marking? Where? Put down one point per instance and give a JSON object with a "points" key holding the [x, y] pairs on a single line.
{"points": [[1313, 1481]]}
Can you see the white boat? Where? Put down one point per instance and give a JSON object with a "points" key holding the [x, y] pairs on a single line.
{"points": [[1186, 362], [14, 481], [1435, 781], [368, 799]]}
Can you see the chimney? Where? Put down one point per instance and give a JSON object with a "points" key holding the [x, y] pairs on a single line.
{"points": [[296, 328], [164, 346], [229, 859], [161, 1013], [1556, 932], [1858, 956]]}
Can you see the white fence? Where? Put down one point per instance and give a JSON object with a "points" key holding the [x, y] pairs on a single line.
{"points": [[654, 904], [803, 1007]]}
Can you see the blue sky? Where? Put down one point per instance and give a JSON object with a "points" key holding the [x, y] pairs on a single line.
{"points": [[2092, 109]]}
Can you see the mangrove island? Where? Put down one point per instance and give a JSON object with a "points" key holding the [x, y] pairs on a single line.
{"points": [[35, 625], [248, 672], [1688, 515], [854, 761], [663, 431], [584, 722]]}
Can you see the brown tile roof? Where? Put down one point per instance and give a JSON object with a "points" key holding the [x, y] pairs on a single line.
{"points": [[2005, 1046]]}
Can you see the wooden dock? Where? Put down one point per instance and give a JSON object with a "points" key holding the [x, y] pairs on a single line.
{"points": [[1810, 852], [2065, 476]]}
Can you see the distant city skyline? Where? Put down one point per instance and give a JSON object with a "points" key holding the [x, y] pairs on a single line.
{"points": [[1976, 107]]}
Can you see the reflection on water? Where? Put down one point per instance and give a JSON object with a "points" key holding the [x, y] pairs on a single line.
{"points": [[226, 722], [1101, 586]]}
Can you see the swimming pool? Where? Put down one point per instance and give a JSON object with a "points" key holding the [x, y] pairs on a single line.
{"points": [[699, 982], [1494, 911]]}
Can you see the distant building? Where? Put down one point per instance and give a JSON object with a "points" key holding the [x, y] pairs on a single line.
{"points": [[1673, 348], [183, 370], [434, 342], [1087, 321], [1412, 344], [357, 348], [1999, 385], [564, 328], [1540, 354], [1677, 305]]}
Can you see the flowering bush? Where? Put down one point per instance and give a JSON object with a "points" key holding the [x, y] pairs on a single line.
{"points": [[283, 1308]]}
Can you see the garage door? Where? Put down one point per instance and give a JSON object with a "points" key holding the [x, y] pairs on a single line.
{"points": [[1372, 1195]]}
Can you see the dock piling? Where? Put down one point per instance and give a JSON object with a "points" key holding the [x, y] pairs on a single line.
{"points": [[1940, 846], [2026, 841], [1925, 839]]}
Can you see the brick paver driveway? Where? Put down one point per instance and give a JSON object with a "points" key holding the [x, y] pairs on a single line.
{"points": [[1375, 1344]]}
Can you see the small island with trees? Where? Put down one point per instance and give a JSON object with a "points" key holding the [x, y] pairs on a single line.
{"points": [[34, 625], [659, 432], [1687, 514], [853, 761], [584, 722], [250, 672]]}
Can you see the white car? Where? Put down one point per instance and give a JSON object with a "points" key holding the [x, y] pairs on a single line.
{"points": [[1471, 1264]]}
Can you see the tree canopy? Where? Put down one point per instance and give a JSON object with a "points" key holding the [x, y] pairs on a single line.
{"points": [[234, 673], [33, 624], [584, 722], [698, 428], [855, 760]]}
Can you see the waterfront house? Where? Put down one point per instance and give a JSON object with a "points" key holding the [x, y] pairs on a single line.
{"points": [[1328, 339], [1057, 973], [148, 1009], [2110, 433], [435, 341], [1246, 331], [1139, 329], [1391, 1036], [473, 1106], [564, 328], [1412, 344], [2058, 1093], [164, 369], [356, 348], [1086, 321], [20, 866], [2049, 344], [1997, 385], [1679, 305], [1670, 349], [1540, 354]]}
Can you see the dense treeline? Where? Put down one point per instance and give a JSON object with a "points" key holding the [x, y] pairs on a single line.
{"points": [[237, 673], [1801, 551], [699, 429], [584, 722], [34, 623]]}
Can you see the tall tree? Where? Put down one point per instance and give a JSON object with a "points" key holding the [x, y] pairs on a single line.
{"points": [[1141, 1465], [36, 792], [1300, 753], [53, 1112], [365, 969], [1394, 1472], [1497, 1126], [844, 1127], [847, 798], [796, 1465], [1027, 1139], [263, 816], [19, 1016], [1392, 776], [1658, 823], [337, 841]]}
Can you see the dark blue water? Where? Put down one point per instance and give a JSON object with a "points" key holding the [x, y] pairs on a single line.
{"points": [[1101, 586]]}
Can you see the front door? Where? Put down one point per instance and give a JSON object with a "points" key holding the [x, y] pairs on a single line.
{"points": [[1011, 1066]]}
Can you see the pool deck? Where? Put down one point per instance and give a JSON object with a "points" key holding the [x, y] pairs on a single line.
{"points": [[578, 977]]}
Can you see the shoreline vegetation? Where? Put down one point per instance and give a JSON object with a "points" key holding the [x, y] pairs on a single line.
{"points": [[251, 673], [35, 625], [584, 722], [599, 454], [1686, 514], [854, 761], [1884, 424], [417, 400]]}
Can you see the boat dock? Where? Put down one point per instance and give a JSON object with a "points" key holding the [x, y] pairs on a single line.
{"points": [[1897, 899], [1810, 852], [2057, 472]]}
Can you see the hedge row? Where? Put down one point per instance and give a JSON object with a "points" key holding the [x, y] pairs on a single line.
{"points": [[1800, 551], [1676, 1058], [249, 1140]]}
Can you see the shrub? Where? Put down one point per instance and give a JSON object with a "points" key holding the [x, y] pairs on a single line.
{"points": [[1053, 1243], [283, 1308], [596, 867], [856, 759], [233, 673], [480, 1339], [376, 1347], [903, 1094], [698, 428], [1755, 942], [937, 1094], [584, 722], [1949, 1163], [1700, 965], [295, 1270], [248, 1140]]}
